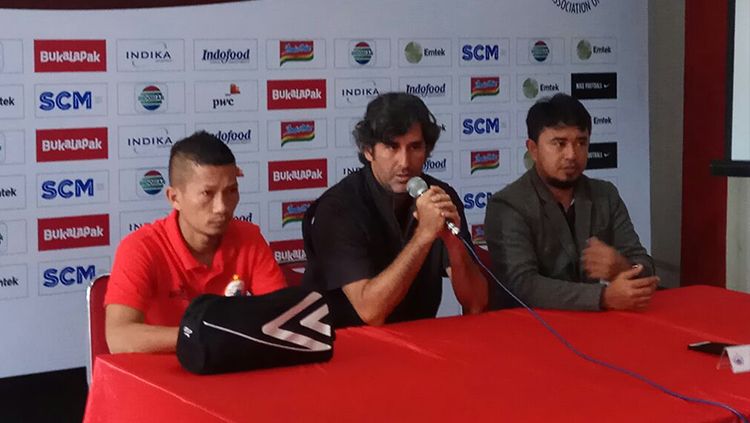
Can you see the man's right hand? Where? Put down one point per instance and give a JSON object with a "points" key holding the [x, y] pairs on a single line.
{"points": [[627, 292], [434, 206]]}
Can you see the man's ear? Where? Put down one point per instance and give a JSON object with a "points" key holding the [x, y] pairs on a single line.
{"points": [[533, 148], [173, 196], [367, 152]]}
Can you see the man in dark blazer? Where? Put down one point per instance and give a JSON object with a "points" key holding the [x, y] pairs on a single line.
{"points": [[559, 239]]}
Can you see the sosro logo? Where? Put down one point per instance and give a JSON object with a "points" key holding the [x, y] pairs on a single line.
{"points": [[484, 160], [476, 200], [152, 182], [477, 234], [296, 94], [68, 188], [65, 100], [480, 52], [293, 211], [433, 166], [297, 131], [481, 126], [70, 55], [73, 232], [71, 144], [289, 251], [297, 174], [422, 90], [296, 51], [226, 56], [68, 275], [484, 86]]}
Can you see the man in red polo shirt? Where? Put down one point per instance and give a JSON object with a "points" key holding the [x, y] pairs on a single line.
{"points": [[199, 248]]}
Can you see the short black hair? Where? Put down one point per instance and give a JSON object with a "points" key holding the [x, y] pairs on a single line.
{"points": [[390, 115], [558, 110], [202, 149]]}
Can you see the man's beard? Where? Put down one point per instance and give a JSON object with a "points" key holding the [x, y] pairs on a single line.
{"points": [[560, 184]]}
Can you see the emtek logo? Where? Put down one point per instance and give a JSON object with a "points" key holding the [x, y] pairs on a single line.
{"points": [[489, 125], [68, 275], [67, 188], [480, 52], [65, 100]]}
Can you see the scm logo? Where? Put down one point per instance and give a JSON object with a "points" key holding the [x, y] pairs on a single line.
{"points": [[68, 188], [476, 200], [480, 52], [68, 275], [481, 126], [65, 100]]}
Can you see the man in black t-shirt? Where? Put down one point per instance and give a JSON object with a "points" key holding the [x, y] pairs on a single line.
{"points": [[379, 253]]}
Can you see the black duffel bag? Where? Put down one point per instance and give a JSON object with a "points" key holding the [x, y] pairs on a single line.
{"points": [[227, 334]]}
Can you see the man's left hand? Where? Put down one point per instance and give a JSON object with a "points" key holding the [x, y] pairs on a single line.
{"points": [[600, 261]]}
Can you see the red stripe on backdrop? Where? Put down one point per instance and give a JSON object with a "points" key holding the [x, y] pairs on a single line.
{"points": [[704, 197]]}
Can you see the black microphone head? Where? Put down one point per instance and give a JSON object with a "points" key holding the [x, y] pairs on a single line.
{"points": [[416, 186]]}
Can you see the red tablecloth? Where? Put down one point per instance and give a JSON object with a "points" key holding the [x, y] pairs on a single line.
{"points": [[500, 366]]}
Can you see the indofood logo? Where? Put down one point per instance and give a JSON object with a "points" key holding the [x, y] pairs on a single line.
{"points": [[362, 53], [427, 90], [576, 7], [296, 51], [297, 131], [152, 182], [484, 160], [293, 211], [485, 86], [151, 98], [227, 55], [530, 88], [540, 51]]}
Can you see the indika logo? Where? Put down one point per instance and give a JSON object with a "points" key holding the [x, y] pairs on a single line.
{"points": [[297, 174], [477, 234], [54, 145], [296, 94], [293, 211], [362, 53], [288, 251], [296, 51], [484, 86], [484, 160], [297, 131], [73, 232], [70, 55], [152, 182], [151, 98]]}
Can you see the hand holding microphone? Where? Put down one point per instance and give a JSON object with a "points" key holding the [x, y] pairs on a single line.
{"points": [[435, 209]]}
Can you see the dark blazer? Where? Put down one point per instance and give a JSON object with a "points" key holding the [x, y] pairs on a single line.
{"points": [[534, 252]]}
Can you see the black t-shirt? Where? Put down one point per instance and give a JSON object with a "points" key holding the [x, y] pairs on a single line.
{"points": [[351, 233]]}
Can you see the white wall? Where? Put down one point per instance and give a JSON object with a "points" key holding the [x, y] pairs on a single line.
{"points": [[666, 34], [738, 234]]}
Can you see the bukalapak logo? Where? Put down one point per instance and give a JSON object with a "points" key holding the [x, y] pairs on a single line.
{"points": [[297, 131], [288, 251], [296, 94], [593, 86], [56, 145], [293, 211], [60, 233], [297, 174], [70, 55], [602, 155]]}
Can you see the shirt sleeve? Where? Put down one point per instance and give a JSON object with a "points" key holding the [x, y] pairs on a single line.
{"points": [[340, 245], [625, 239], [266, 275], [131, 275]]}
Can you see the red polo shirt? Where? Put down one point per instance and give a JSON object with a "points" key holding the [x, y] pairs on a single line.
{"points": [[154, 271]]}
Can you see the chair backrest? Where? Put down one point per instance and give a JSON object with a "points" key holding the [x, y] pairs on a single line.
{"points": [[293, 272], [95, 304]]}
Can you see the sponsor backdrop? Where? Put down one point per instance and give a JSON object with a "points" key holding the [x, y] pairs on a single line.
{"points": [[90, 103]]}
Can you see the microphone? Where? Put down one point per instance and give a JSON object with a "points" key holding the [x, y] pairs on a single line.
{"points": [[416, 187]]}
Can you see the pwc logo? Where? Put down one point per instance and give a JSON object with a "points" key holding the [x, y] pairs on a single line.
{"points": [[297, 174], [297, 131], [293, 211], [70, 55], [288, 251], [59, 233], [57, 145], [296, 94]]}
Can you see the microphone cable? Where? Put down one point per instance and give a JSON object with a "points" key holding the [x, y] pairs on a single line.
{"points": [[594, 360]]}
